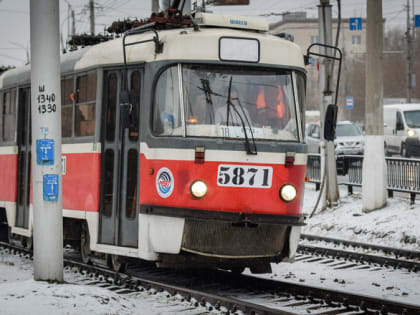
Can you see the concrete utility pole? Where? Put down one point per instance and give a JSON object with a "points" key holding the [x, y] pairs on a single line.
{"points": [[187, 7], [73, 23], [92, 17], [328, 163], [46, 140], [410, 73], [155, 6], [374, 167]]}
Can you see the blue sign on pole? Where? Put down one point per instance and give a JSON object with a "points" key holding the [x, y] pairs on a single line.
{"points": [[50, 189], [349, 102], [355, 24], [45, 152], [417, 21]]}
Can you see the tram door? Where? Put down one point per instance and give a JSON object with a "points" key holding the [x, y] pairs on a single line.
{"points": [[24, 158], [120, 165]]}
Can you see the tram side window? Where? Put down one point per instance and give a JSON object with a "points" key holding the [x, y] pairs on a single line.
{"points": [[301, 90], [1, 117], [111, 108], [167, 110], [67, 97], [85, 105], [9, 115], [135, 90]]}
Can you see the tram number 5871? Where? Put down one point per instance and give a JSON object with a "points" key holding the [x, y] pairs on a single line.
{"points": [[244, 176]]}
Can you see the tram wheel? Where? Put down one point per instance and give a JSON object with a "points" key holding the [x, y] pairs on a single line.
{"points": [[4, 232], [117, 263], [27, 242], [237, 270], [85, 244]]}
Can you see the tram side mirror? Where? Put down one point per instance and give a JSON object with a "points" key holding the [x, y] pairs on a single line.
{"points": [[128, 113], [330, 122]]}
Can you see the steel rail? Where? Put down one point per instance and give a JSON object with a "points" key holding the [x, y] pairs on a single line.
{"points": [[328, 300], [396, 252], [360, 257]]}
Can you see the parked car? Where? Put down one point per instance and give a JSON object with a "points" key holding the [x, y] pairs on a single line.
{"points": [[402, 129], [313, 134], [349, 138]]}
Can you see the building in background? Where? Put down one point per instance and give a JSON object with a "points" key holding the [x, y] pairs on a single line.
{"points": [[353, 45]]}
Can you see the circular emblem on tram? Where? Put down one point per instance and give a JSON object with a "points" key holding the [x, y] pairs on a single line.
{"points": [[164, 182]]}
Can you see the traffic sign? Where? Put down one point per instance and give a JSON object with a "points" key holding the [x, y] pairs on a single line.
{"points": [[45, 151], [355, 24], [417, 21], [50, 189], [349, 102]]}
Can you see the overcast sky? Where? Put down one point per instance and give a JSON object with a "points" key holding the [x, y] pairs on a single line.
{"points": [[14, 17]]}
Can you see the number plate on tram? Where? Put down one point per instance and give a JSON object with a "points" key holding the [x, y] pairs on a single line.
{"points": [[244, 176]]}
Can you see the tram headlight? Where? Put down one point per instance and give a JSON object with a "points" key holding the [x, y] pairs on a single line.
{"points": [[198, 189], [288, 193]]}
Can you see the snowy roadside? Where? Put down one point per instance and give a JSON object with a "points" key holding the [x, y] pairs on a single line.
{"points": [[397, 225], [20, 294]]}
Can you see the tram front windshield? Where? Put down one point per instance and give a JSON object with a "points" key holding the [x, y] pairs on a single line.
{"points": [[204, 101]]}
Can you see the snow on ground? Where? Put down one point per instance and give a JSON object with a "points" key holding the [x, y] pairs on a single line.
{"points": [[20, 294], [397, 285], [397, 225]]}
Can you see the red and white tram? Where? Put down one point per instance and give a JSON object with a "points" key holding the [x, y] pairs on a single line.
{"points": [[189, 154]]}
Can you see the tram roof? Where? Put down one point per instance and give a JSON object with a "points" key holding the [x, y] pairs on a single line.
{"points": [[178, 44]]}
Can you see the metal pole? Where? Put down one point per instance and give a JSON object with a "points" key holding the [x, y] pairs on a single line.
{"points": [[414, 22], [409, 54], [155, 6], [328, 163], [92, 17], [187, 7], [73, 23], [68, 20], [374, 169], [46, 140], [413, 51]]}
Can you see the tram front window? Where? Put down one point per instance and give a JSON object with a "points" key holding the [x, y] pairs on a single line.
{"points": [[226, 103]]}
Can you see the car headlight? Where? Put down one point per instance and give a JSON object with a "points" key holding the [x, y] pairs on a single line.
{"points": [[198, 189], [411, 132], [288, 193]]}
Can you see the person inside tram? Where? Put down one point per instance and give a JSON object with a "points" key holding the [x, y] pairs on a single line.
{"points": [[272, 107], [238, 113]]}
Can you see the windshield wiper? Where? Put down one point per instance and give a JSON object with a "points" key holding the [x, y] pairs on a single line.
{"points": [[229, 104], [205, 87], [247, 143], [228, 101]]}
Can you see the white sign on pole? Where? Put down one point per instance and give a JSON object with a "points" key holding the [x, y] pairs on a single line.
{"points": [[349, 102]]}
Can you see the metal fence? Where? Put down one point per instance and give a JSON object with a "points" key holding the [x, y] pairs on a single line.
{"points": [[403, 175], [313, 169]]}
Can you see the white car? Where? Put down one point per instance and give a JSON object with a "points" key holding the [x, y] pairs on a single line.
{"points": [[402, 129], [349, 138]]}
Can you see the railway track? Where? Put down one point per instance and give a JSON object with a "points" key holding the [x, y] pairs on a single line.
{"points": [[232, 293], [361, 253]]}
